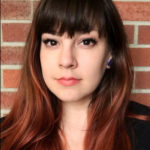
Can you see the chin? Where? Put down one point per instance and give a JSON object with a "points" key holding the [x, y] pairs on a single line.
{"points": [[73, 97], [68, 99]]}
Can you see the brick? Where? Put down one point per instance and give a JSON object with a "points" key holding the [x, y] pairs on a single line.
{"points": [[140, 56], [7, 99], [142, 80], [130, 33], [141, 98], [144, 35], [11, 55], [15, 32], [15, 10], [35, 4], [11, 78], [134, 11]]}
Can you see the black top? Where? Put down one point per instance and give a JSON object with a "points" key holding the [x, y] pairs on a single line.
{"points": [[139, 130]]}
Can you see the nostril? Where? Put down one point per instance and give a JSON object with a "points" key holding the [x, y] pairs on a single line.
{"points": [[67, 65], [68, 62]]}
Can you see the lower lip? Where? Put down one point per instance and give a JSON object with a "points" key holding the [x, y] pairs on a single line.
{"points": [[68, 82]]}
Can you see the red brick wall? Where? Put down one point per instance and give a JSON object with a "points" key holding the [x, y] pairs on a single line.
{"points": [[16, 18]]}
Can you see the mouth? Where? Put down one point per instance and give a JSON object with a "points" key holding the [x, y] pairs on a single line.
{"points": [[68, 81]]}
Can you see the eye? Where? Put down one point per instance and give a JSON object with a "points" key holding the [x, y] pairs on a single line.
{"points": [[50, 42], [89, 42]]}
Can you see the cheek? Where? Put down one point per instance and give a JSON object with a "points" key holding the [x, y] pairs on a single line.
{"points": [[93, 70], [47, 63], [94, 67]]}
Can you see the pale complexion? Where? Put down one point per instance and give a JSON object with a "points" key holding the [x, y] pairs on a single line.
{"points": [[84, 56]]}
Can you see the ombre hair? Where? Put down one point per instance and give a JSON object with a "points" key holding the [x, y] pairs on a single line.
{"points": [[34, 121]]}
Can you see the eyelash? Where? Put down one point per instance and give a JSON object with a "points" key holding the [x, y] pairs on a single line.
{"points": [[46, 41], [85, 42], [89, 40]]}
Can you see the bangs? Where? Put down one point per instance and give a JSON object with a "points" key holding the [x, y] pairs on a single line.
{"points": [[60, 16]]}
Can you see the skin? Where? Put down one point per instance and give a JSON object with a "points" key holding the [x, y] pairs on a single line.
{"points": [[62, 56]]}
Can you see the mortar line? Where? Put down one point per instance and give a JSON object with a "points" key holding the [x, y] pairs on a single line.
{"points": [[16, 21], [4, 111], [31, 3], [2, 85], [1, 33], [144, 23], [139, 45], [134, 76], [141, 91], [11, 67], [22, 44], [9, 89], [141, 69], [136, 30]]}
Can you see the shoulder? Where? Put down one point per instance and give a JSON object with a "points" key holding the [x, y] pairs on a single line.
{"points": [[1, 126], [139, 130], [138, 108], [2, 119]]}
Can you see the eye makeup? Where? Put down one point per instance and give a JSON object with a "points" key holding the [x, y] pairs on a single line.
{"points": [[50, 42], [89, 41]]}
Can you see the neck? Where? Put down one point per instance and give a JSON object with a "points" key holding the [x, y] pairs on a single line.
{"points": [[75, 115], [74, 123]]}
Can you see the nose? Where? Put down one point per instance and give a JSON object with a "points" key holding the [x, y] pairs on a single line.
{"points": [[67, 58]]}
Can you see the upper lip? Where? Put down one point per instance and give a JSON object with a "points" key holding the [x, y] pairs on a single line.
{"points": [[68, 78]]}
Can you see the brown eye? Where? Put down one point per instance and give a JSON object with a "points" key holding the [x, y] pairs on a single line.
{"points": [[89, 41], [50, 42]]}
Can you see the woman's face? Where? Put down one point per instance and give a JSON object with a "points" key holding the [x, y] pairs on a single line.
{"points": [[73, 67]]}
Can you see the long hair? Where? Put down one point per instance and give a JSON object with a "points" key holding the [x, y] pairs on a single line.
{"points": [[34, 121]]}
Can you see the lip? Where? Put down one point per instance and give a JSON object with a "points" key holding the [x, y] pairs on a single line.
{"points": [[68, 81]]}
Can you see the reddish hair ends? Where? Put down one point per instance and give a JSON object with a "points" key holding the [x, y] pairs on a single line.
{"points": [[34, 120]]}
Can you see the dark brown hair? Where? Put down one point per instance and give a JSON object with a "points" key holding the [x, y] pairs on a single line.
{"points": [[33, 122]]}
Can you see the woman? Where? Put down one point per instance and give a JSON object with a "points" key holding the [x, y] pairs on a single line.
{"points": [[76, 81]]}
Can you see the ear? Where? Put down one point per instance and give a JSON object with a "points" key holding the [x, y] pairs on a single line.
{"points": [[109, 62]]}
